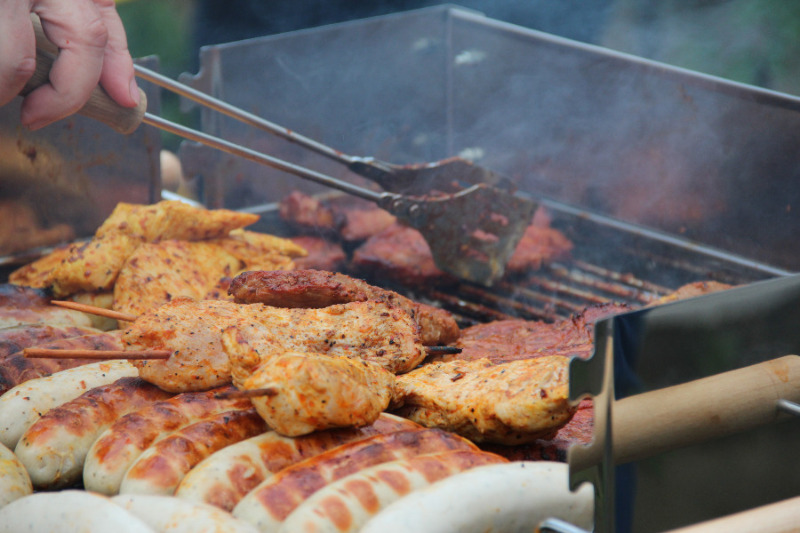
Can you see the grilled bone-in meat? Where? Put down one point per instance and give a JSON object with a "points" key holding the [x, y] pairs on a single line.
{"points": [[371, 330], [317, 288], [509, 403], [310, 392]]}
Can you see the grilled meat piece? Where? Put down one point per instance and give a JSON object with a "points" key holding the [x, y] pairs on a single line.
{"points": [[310, 392], [369, 330], [16, 368], [17, 338], [316, 288], [509, 340], [690, 290], [352, 219], [307, 213], [509, 403], [401, 253], [322, 253]]}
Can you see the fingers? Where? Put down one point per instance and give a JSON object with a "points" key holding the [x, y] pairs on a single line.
{"points": [[117, 76], [17, 48], [92, 49]]}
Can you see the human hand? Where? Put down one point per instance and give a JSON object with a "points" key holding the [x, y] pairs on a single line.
{"points": [[93, 48]]}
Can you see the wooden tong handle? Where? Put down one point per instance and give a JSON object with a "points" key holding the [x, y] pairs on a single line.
{"points": [[100, 106], [780, 517], [739, 400]]}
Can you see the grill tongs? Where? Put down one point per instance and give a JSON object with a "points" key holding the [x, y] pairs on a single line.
{"points": [[472, 223]]}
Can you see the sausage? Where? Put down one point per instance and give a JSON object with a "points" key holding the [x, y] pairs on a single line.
{"points": [[168, 513], [508, 498], [273, 500], [346, 505], [24, 404], [161, 467], [16, 368], [226, 476], [116, 448], [54, 448], [68, 510], [14, 480]]}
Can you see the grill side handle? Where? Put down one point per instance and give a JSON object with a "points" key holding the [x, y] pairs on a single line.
{"points": [[739, 400]]}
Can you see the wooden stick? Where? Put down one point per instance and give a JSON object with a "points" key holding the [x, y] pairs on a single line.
{"points": [[94, 310], [247, 393], [436, 350], [45, 353]]}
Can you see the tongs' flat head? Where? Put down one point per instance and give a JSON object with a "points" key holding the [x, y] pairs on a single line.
{"points": [[471, 233]]}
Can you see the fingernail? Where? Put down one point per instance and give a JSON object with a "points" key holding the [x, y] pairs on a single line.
{"points": [[135, 92]]}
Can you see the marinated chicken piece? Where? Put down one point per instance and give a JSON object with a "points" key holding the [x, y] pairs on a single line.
{"points": [[159, 272], [509, 403], [16, 368], [310, 392], [317, 288], [373, 331], [192, 329], [323, 254], [173, 220], [94, 265], [39, 273]]}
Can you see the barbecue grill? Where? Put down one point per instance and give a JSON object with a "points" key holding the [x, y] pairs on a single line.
{"points": [[660, 176]]}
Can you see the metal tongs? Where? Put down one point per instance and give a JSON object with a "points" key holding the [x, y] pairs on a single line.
{"points": [[472, 223]]}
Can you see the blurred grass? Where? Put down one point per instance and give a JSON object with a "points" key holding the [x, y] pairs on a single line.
{"points": [[162, 29]]}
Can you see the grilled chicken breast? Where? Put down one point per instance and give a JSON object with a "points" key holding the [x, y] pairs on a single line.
{"points": [[509, 403]]}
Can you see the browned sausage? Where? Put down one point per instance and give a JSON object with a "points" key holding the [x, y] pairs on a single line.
{"points": [[160, 469], [274, 499], [228, 475], [116, 449], [54, 448]]}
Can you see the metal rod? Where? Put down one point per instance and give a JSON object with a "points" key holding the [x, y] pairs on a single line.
{"points": [[241, 115], [258, 157], [788, 407]]}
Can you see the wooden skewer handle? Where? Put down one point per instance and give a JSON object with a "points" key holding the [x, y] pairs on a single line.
{"points": [[100, 105], [651, 423]]}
